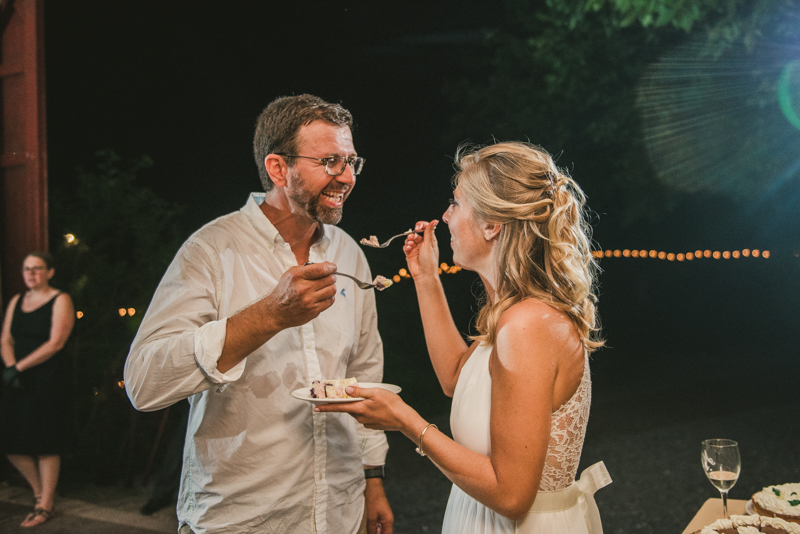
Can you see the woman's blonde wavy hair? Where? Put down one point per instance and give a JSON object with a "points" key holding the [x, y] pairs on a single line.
{"points": [[544, 245]]}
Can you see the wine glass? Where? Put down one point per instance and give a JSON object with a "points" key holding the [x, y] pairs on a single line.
{"points": [[721, 463]]}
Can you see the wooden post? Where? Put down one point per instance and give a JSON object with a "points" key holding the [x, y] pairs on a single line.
{"points": [[23, 139]]}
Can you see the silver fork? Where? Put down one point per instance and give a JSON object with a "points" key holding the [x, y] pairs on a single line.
{"points": [[359, 283], [385, 244]]}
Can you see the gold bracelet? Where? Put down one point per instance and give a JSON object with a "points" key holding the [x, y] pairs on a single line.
{"points": [[422, 435]]}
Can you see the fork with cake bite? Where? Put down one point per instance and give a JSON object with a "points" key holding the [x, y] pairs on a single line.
{"points": [[373, 240], [380, 282]]}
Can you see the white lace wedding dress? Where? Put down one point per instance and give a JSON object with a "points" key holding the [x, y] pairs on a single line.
{"points": [[562, 505]]}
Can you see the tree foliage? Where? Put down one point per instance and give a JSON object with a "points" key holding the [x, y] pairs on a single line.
{"points": [[722, 21], [572, 90], [565, 74], [125, 236]]}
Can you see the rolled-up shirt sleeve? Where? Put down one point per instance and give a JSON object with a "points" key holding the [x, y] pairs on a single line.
{"points": [[373, 446], [180, 340], [366, 364]]}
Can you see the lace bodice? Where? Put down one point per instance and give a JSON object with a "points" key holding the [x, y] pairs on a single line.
{"points": [[567, 430], [469, 420]]}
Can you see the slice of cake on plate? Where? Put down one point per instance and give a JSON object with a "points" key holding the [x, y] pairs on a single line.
{"points": [[332, 389]]}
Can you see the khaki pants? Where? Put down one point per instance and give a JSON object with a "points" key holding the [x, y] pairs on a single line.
{"points": [[361, 530]]}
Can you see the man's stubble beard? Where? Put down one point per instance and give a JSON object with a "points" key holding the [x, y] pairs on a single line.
{"points": [[322, 214], [309, 202]]}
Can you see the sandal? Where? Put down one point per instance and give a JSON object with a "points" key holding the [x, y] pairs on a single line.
{"points": [[37, 517], [32, 514]]}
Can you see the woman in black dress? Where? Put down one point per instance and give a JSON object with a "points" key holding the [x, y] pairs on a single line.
{"points": [[33, 416]]}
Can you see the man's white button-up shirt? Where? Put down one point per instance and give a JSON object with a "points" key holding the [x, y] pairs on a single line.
{"points": [[257, 459]]}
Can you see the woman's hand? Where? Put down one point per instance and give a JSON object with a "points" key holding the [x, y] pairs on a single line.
{"points": [[422, 252], [11, 378], [380, 409]]}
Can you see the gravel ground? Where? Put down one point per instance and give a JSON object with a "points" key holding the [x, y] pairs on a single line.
{"points": [[64, 523], [86, 509]]}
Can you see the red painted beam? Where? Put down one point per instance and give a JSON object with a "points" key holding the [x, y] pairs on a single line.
{"points": [[23, 138]]}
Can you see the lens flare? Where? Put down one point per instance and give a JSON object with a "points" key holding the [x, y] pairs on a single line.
{"points": [[696, 105], [789, 91]]}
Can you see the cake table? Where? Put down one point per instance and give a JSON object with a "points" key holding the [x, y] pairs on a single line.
{"points": [[711, 511]]}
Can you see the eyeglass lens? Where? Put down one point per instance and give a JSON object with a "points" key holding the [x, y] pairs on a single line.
{"points": [[32, 269], [336, 165]]}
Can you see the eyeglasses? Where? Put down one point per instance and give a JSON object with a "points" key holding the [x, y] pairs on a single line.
{"points": [[33, 269], [335, 165]]}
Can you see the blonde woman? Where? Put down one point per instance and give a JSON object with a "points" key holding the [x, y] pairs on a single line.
{"points": [[33, 409], [521, 389]]}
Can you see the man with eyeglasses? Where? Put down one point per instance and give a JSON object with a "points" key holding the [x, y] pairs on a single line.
{"points": [[239, 321]]}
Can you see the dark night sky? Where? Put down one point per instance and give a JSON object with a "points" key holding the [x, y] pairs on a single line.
{"points": [[184, 85], [184, 81]]}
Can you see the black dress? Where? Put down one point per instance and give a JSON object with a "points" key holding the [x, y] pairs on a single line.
{"points": [[34, 418]]}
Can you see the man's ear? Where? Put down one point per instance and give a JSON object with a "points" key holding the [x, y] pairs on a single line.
{"points": [[276, 169], [490, 231]]}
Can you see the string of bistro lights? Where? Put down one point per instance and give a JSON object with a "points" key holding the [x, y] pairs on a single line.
{"points": [[444, 268], [681, 256], [628, 253], [597, 254]]}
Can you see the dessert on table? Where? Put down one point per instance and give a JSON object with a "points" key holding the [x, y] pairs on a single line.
{"points": [[779, 501], [751, 524]]}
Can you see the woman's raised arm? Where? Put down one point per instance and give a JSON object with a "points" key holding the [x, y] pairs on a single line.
{"points": [[446, 347]]}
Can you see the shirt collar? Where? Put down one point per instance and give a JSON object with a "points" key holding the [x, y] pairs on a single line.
{"points": [[264, 226]]}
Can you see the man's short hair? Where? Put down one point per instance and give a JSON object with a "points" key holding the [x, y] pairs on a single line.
{"points": [[278, 125]]}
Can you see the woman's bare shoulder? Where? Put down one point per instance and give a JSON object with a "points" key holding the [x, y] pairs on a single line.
{"points": [[63, 300], [9, 316], [536, 316], [536, 331], [13, 302]]}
